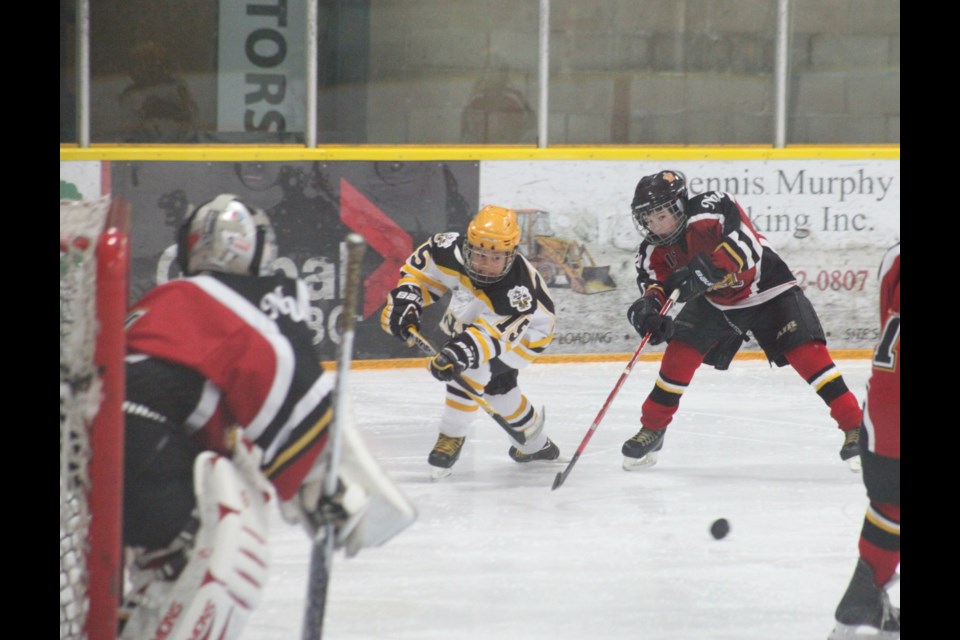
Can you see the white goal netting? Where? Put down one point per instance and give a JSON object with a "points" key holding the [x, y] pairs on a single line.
{"points": [[81, 224]]}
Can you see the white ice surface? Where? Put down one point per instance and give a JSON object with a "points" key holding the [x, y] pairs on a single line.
{"points": [[496, 553]]}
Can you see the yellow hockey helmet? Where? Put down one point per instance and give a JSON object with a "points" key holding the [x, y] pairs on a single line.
{"points": [[491, 247]]}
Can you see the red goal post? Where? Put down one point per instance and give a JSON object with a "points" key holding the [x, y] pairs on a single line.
{"points": [[94, 276]]}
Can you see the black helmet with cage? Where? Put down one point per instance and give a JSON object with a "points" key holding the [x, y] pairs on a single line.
{"points": [[661, 192]]}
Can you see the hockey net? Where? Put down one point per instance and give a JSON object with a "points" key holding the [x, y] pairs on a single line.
{"points": [[94, 267]]}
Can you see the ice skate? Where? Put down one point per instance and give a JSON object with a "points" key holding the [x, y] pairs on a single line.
{"points": [[549, 451], [640, 451], [445, 454], [850, 450], [865, 610]]}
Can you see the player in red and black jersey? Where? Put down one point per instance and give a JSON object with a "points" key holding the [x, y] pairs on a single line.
{"points": [[499, 319], [866, 603], [732, 282]]}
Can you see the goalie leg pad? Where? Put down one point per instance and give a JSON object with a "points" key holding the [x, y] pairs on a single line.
{"points": [[224, 578]]}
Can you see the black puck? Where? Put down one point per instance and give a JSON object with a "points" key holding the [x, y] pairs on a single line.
{"points": [[720, 528]]}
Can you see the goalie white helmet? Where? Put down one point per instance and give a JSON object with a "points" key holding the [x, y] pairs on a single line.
{"points": [[227, 235]]}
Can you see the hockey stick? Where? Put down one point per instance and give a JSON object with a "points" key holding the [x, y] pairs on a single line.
{"points": [[427, 348], [603, 410], [321, 554]]}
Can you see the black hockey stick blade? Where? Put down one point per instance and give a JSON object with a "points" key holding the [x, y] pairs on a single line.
{"points": [[418, 338], [562, 475]]}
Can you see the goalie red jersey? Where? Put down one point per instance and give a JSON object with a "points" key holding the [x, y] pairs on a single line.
{"points": [[246, 358]]}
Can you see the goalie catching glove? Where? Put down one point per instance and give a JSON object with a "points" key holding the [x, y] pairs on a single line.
{"points": [[403, 310], [695, 278], [455, 356], [644, 315]]}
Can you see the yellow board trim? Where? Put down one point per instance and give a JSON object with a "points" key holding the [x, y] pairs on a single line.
{"points": [[412, 363], [287, 153]]}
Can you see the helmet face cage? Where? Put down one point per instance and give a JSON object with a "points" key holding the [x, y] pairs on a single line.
{"points": [[490, 248], [267, 243], [226, 235], [477, 255], [662, 192]]}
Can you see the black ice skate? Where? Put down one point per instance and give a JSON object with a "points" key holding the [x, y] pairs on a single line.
{"points": [[640, 451], [866, 606], [445, 454], [549, 451], [850, 450]]}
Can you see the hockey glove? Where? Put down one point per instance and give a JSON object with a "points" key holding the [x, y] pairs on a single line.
{"points": [[311, 509], [644, 315], [406, 306], [455, 356], [695, 278], [342, 510]]}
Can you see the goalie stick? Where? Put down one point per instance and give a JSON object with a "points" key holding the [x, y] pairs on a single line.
{"points": [[417, 338], [321, 554], [603, 410]]}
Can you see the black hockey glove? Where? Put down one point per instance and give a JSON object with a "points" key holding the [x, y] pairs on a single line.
{"points": [[644, 315], [455, 356], [406, 306], [695, 278]]}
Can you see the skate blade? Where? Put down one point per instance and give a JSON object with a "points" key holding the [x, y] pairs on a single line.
{"points": [[632, 464], [861, 632], [856, 466], [562, 459], [439, 473]]}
